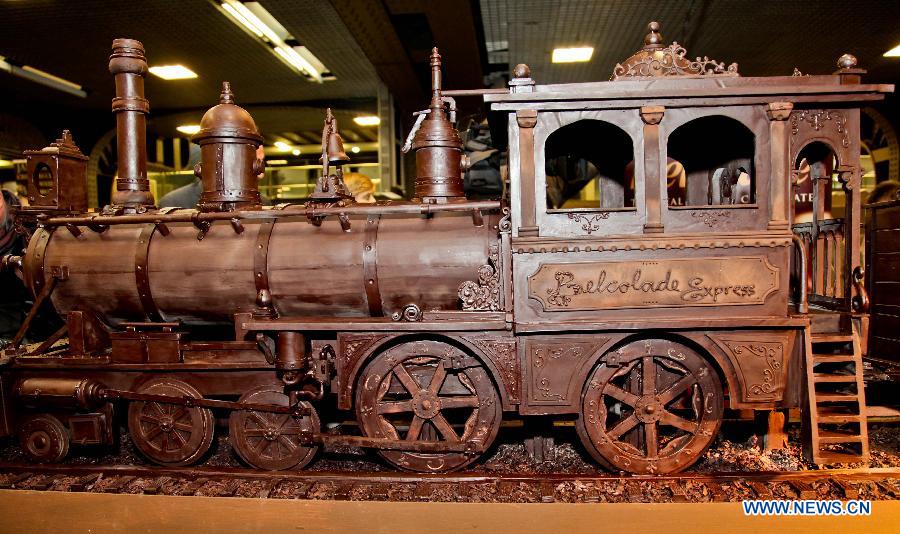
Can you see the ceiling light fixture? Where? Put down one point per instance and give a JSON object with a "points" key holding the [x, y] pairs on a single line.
{"points": [[282, 146], [367, 120], [5, 163], [295, 152], [189, 129], [573, 55], [173, 72], [354, 149], [276, 162], [893, 52], [256, 20], [41, 77]]}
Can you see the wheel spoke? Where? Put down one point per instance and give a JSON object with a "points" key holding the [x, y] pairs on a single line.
{"points": [[415, 427], [183, 426], [153, 433], [151, 418], [406, 379], [395, 407], [676, 389], [258, 418], [261, 446], [287, 443], [179, 413], [623, 426], [621, 395], [157, 407], [437, 380], [669, 418], [440, 422], [648, 376], [178, 437], [468, 401], [254, 432], [651, 438]]}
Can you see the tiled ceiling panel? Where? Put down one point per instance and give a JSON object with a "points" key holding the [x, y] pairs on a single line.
{"points": [[764, 37], [72, 40]]}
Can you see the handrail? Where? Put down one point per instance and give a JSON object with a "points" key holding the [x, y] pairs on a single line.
{"points": [[803, 304]]}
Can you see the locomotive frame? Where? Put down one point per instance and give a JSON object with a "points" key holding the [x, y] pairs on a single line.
{"points": [[645, 321]]}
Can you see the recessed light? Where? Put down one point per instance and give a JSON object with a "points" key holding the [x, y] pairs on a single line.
{"points": [[277, 162], [5, 163], [367, 120], [354, 149], [295, 152], [573, 55], [173, 72], [893, 52], [282, 146], [189, 129]]}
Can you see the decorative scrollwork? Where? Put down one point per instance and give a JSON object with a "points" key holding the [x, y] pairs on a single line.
{"points": [[670, 61], [817, 119], [710, 218], [590, 223], [772, 353], [505, 224], [483, 295]]}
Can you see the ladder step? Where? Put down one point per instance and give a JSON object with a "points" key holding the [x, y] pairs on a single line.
{"points": [[833, 358], [832, 457], [839, 418], [837, 434], [822, 377], [839, 439], [832, 338], [837, 397]]}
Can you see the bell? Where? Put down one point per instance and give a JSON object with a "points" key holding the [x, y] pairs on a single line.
{"points": [[335, 149]]}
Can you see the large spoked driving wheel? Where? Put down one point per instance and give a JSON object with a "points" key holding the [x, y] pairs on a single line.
{"points": [[170, 434], [652, 408], [268, 440], [428, 391]]}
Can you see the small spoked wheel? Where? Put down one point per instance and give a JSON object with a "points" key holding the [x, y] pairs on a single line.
{"points": [[653, 407], [170, 434], [44, 438], [415, 392], [272, 441]]}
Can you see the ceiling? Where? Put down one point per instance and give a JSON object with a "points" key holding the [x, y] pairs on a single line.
{"points": [[367, 43], [764, 37]]}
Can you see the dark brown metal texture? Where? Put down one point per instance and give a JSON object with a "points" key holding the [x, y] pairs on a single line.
{"points": [[129, 66], [57, 176], [438, 147], [228, 140]]}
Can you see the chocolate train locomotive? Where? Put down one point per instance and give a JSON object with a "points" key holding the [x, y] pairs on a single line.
{"points": [[645, 314]]}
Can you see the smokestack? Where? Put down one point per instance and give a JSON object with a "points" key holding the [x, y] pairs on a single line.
{"points": [[129, 66]]}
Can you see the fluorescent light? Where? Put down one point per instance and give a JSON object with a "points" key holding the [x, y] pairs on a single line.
{"points": [[354, 149], [295, 152], [893, 52], [189, 129], [5, 163], [367, 120], [254, 18], [173, 72], [282, 146], [573, 55], [276, 162], [43, 78]]}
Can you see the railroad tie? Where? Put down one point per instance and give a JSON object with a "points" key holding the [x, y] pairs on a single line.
{"points": [[117, 484], [342, 492], [423, 491], [505, 488], [270, 486], [548, 491], [16, 481], [44, 483], [154, 487], [231, 487], [762, 491], [678, 493], [804, 489], [380, 492], [194, 486], [82, 483]]}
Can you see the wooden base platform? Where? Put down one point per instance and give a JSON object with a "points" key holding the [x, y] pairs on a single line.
{"points": [[49, 512]]}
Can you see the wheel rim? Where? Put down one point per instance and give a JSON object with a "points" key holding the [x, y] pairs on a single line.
{"points": [[656, 410], [170, 434], [44, 438], [408, 393], [268, 440]]}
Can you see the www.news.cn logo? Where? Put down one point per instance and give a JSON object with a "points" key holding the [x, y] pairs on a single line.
{"points": [[807, 507]]}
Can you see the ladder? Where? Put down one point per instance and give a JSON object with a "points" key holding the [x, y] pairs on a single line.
{"points": [[835, 421]]}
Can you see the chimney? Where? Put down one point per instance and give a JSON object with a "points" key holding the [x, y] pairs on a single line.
{"points": [[129, 66]]}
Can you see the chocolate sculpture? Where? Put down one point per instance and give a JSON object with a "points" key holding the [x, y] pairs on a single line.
{"points": [[433, 317]]}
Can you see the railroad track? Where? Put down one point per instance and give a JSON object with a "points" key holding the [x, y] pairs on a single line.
{"points": [[876, 484]]}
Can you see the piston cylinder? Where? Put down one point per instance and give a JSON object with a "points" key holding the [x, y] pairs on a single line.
{"points": [[82, 393]]}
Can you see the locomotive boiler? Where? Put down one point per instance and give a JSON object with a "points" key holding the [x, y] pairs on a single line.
{"points": [[645, 305]]}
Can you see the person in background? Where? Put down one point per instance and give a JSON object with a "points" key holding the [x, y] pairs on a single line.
{"points": [[361, 187]]}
